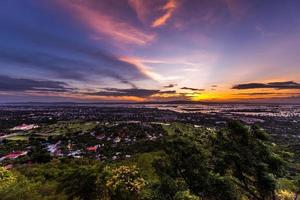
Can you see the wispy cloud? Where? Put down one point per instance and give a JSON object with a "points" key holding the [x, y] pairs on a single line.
{"points": [[144, 69], [272, 85], [170, 86], [67, 59], [268, 93], [131, 92], [101, 64], [192, 89], [11, 84], [141, 8], [102, 24], [169, 9]]}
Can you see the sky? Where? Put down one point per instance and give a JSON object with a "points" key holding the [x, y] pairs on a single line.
{"points": [[150, 50]]}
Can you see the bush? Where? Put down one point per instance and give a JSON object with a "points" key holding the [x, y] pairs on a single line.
{"points": [[6, 178], [284, 195], [124, 182], [186, 195]]}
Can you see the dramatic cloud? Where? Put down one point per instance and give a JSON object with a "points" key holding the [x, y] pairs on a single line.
{"points": [[75, 59], [75, 68], [169, 9], [94, 44], [101, 23], [8, 84], [268, 93], [135, 92], [272, 85], [192, 89]]}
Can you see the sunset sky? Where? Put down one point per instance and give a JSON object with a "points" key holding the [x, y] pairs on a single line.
{"points": [[150, 50]]}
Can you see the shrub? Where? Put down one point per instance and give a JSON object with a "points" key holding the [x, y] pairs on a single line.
{"points": [[124, 182]]}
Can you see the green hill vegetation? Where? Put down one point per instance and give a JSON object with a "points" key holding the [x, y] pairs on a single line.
{"points": [[236, 162]]}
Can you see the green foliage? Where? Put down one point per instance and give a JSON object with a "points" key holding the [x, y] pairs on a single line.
{"points": [[16, 186], [189, 161], [247, 155], [80, 183], [38, 153], [6, 178], [124, 182], [185, 195], [144, 162], [238, 161]]}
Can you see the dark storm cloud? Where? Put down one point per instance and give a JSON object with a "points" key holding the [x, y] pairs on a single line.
{"points": [[10, 84], [135, 92], [192, 89], [272, 85]]}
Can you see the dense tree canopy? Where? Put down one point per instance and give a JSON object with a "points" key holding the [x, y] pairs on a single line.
{"points": [[239, 161], [236, 162]]}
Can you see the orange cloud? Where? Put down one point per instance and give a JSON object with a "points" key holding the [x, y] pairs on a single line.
{"points": [[140, 66], [169, 7], [102, 24]]}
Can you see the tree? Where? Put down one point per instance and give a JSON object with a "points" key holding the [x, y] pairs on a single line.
{"points": [[16, 186], [38, 153], [297, 187], [246, 154], [189, 161], [6, 178], [79, 183], [185, 195], [124, 182], [238, 161]]}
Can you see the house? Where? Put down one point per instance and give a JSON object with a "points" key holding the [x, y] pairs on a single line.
{"points": [[92, 133], [114, 158], [14, 155], [150, 137], [75, 154], [53, 148], [117, 140], [24, 127], [101, 137], [92, 148], [127, 140]]}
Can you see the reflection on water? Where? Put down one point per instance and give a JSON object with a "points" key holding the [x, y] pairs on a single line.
{"points": [[244, 109]]}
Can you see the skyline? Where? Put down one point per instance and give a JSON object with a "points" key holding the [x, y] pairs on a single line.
{"points": [[149, 50]]}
